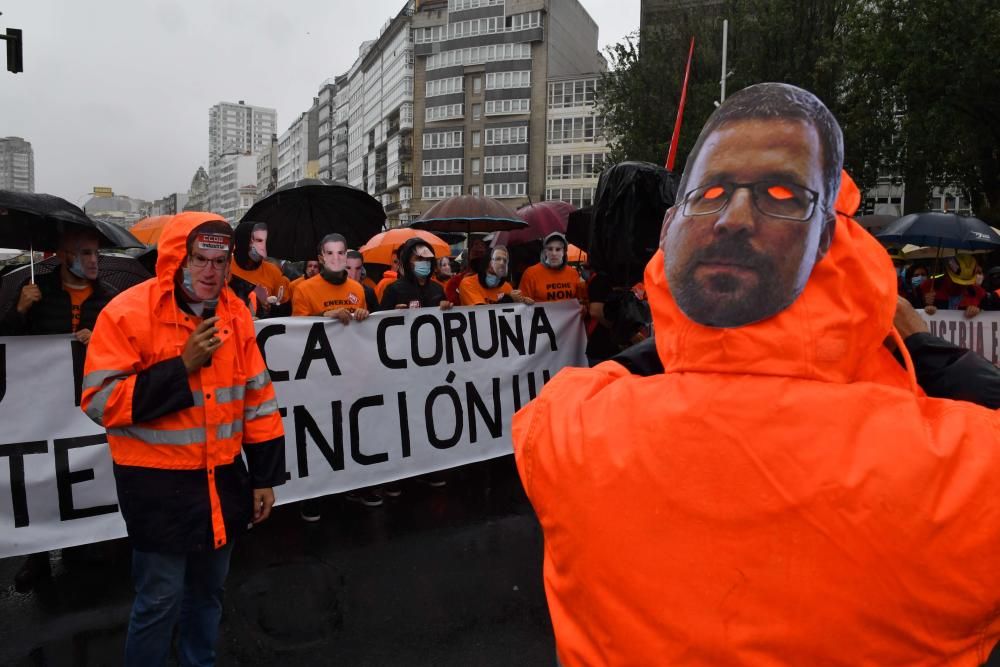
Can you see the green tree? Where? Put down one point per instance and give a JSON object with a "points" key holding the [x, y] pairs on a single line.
{"points": [[914, 83]]}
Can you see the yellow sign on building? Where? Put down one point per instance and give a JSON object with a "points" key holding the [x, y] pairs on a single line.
{"points": [[103, 192]]}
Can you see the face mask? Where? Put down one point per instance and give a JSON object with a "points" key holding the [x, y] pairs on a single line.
{"points": [[76, 268], [254, 255], [492, 280], [979, 279], [917, 281], [187, 282], [422, 268]]}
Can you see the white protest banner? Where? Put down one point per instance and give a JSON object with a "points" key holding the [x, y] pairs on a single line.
{"points": [[980, 334], [403, 393]]}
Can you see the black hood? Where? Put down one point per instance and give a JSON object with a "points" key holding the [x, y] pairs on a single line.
{"points": [[241, 246], [405, 253]]}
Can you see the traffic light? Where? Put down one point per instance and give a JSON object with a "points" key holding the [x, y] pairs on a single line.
{"points": [[15, 50]]}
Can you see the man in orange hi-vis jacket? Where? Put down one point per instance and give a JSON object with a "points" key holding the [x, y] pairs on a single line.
{"points": [[174, 374], [780, 491]]}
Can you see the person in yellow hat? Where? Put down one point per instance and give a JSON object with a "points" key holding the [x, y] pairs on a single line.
{"points": [[959, 289]]}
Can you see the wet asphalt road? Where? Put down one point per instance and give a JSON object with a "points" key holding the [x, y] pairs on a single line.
{"points": [[448, 576]]}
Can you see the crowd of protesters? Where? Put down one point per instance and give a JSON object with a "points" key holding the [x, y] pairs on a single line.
{"points": [[953, 283]]}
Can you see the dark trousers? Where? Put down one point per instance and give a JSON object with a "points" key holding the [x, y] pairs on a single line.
{"points": [[176, 589]]}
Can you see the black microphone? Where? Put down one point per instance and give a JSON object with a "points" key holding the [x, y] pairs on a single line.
{"points": [[208, 311]]}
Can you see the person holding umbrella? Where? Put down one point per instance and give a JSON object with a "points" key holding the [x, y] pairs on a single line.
{"points": [[64, 301], [491, 284], [414, 288]]}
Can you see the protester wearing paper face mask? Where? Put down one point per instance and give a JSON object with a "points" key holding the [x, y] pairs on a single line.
{"points": [[64, 301], [552, 279], [331, 293], [414, 288], [491, 285], [67, 300], [250, 265]]}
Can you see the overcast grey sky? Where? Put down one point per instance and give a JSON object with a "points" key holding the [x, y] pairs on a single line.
{"points": [[116, 92]]}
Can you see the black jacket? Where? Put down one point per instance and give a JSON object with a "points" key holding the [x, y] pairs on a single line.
{"points": [[54, 313]]}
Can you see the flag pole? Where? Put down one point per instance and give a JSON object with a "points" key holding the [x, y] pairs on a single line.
{"points": [[672, 154]]}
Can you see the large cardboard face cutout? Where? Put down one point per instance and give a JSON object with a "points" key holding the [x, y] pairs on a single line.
{"points": [[755, 208]]}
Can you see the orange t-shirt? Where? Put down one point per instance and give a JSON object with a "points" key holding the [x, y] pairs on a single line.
{"points": [[269, 277], [471, 292], [317, 295], [77, 295], [541, 283], [295, 283]]}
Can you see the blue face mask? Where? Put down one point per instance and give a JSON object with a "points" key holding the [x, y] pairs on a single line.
{"points": [[422, 268], [492, 280], [917, 281], [76, 268]]}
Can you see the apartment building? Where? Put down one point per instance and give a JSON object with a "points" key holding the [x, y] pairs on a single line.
{"points": [[481, 73], [235, 129], [17, 165]]}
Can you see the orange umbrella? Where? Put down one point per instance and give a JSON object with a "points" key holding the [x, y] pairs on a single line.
{"points": [[575, 255], [379, 248], [148, 230]]}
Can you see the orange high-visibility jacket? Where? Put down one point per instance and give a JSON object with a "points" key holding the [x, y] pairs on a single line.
{"points": [[782, 494], [176, 437]]}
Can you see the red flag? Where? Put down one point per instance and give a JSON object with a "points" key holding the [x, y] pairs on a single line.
{"points": [[672, 154]]}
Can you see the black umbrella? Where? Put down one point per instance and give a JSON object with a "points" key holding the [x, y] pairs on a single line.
{"points": [[31, 221], [300, 214], [118, 271], [941, 230], [119, 237]]}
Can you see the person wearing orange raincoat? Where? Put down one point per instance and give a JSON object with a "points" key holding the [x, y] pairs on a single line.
{"points": [[781, 491], [174, 375]]}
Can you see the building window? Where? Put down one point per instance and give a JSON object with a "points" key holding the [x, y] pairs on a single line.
{"points": [[477, 111], [448, 86], [579, 197], [474, 190], [575, 130], [433, 140], [474, 162], [440, 191], [501, 80], [501, 190], [477, 84], [583, 165], [578, 93], [503, 163], [499, 107], [476, 134], [446, 167], [496, 136], [477, 55], [444, 112]]}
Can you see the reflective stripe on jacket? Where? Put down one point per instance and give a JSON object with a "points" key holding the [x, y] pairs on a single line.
{"points": [[223, 408]]}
